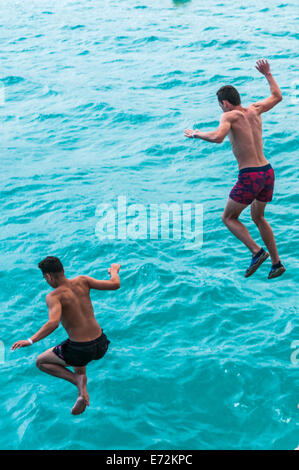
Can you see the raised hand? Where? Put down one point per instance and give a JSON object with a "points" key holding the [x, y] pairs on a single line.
{"points": [[262, 65], [114, 268]]}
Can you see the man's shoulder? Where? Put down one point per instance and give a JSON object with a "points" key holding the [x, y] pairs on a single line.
{"points": [[253, 108], [231, 115], [237, 116], [53, 296], [80, 281], [80, 278]]}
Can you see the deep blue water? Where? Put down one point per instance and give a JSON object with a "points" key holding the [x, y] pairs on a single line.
{"points": [[94, 100]]}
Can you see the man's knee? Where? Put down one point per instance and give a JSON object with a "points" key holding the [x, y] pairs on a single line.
{"points": [[257, 218], [38, 362], [227, 217], [224, 218]]}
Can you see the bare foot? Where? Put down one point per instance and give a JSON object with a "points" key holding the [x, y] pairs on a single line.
{"points": [[82, 387], [79, 406]]}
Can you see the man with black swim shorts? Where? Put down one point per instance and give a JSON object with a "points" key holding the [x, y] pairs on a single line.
{"points": [[256, 176], [70, 304]]}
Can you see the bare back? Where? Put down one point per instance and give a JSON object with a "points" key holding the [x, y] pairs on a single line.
{"points": [[246, 138], [77, 316]]}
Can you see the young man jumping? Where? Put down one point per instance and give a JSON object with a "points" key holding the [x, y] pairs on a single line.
{"points": [[256, 176], [70, 303]]}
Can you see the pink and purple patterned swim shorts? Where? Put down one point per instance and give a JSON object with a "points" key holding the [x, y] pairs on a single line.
{"points": [[254, 183]]}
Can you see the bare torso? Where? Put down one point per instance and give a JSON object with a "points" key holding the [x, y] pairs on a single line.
{"points": [[246, 137], [77, 311]]}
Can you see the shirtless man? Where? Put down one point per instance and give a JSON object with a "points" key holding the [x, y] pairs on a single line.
{"points": [[256, 176], [70, 303]]}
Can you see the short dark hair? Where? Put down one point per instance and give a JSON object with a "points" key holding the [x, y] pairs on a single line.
{"points": [[229, 93], [50, 265]]}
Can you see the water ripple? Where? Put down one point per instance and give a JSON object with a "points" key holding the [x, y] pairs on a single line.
{"points": [[98, 113]]}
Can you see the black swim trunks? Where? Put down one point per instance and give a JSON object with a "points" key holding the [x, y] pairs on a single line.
{"points": [[78, 354]]}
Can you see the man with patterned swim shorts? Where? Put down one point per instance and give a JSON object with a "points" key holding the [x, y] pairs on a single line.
{"points": [[256, 176]]}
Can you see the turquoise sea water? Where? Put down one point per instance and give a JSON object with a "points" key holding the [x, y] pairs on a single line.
{"points": [[95, 98]]}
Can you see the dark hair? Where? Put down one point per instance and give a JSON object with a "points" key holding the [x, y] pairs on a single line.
{"points": [[229, 93], [50, 265]]}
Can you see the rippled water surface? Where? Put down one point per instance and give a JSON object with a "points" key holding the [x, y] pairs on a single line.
{"points": [[94, 100]]}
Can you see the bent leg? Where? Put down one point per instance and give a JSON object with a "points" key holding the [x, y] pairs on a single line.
{"points": [[230, 218], [50, 363], [82, 380], [83, 397], [257, 215]]}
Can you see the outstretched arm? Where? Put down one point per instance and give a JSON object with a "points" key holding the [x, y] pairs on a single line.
{"points": [[265, 105], [217, 136], [112, 284], [54, 307]]}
